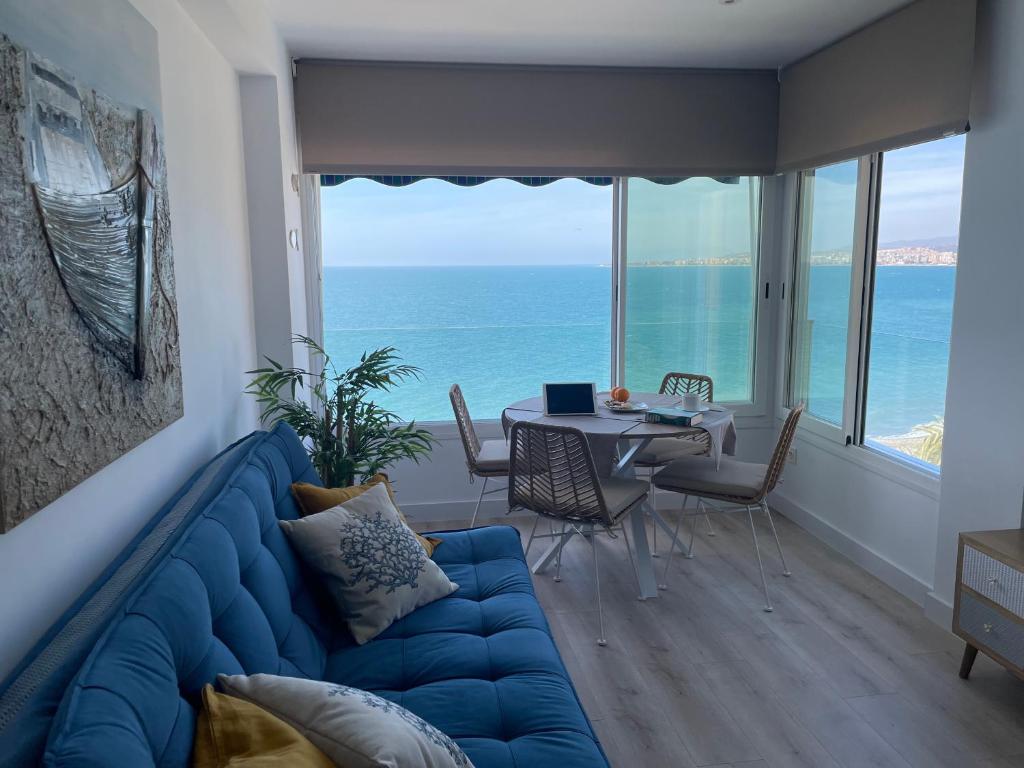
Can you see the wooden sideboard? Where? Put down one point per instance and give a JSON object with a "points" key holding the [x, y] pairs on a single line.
{"points": [[988, 611]]}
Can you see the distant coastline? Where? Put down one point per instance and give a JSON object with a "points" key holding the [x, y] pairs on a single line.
{"points": [[907, 256]]}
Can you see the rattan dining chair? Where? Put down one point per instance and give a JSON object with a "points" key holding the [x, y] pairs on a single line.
{"points": [[739, 483], [552, 473], [485, 459], [663, 450]]}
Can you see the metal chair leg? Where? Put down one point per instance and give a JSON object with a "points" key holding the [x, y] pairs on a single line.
{"points": [[673, 542], [533, 532], [650, 498], [558, 556], [771, 522], [597, 584], [707, 519], [480, 498], [693, 529], [757, 551]]}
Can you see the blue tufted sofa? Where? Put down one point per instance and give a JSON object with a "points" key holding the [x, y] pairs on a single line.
{"points": [[211, 585]]}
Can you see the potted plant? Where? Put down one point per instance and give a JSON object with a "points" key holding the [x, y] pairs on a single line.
{"points": [[347, 434]]}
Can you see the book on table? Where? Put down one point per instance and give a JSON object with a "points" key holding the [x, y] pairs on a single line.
{"points": [[678, 417]]}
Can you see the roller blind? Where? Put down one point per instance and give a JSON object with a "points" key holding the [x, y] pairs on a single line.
{"points": [[899, 81], [463, 120]]}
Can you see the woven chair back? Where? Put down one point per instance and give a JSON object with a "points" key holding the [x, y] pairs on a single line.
{"points": [[687, 384], [778, 460], [470, 442], [552, 473]]}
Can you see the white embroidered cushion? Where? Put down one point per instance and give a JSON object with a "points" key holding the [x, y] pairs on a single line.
{"points": [[375, 568], [354, 728]]}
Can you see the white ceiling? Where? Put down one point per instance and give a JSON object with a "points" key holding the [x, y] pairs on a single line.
{"points": [[671, 33]]}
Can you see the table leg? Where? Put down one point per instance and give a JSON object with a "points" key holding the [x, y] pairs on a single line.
{"points": [[644, 562], [549, 554]]}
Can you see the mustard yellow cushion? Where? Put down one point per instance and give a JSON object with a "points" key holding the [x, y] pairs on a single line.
{"points": [[312, 499], [233, 732]]}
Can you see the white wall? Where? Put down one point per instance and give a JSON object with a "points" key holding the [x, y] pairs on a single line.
{"points": [[983, 465], [880, 514], [49, 559], [898, 524], [243, 32]]}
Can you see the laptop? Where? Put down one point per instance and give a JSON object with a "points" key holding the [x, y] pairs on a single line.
{"points": [[570, 399]]}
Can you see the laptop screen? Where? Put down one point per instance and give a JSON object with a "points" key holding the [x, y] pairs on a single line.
{"points": [[567, 399]]}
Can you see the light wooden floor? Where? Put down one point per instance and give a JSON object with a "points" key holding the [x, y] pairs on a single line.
{"points": [[845, 672]]}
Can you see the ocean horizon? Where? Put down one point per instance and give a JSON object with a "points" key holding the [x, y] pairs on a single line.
{"points": [[500, 332]]}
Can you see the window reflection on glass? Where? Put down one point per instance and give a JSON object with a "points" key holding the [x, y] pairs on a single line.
{"points": [[821, 299], [497, 287], [912, 308], [691, 258]]}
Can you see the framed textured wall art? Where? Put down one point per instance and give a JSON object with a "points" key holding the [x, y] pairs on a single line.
{"points": [[89, 359]]}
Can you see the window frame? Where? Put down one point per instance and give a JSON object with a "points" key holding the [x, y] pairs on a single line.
{"points": [[762, 323], [899, 466]]}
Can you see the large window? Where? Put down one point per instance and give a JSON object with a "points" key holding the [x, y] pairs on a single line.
{"points": [[497, 287], [502, 285], [824, 271], [912, 306], [873, 297], [691, 282]]}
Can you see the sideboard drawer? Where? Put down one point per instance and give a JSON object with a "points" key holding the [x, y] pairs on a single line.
{"points": [[992, 629], [994, 579]]}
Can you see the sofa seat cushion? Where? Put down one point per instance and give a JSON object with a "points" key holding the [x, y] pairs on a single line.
{"points": [[479, 664]]}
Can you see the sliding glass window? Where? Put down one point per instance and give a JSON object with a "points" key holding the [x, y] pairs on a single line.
{"points": [[497, 287], [691, 282], [825, 258], [872, 299], [912, 298]]}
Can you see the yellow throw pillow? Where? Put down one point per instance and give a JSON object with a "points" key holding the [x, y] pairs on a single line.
{"points": [[232, 732], [312, 499]]}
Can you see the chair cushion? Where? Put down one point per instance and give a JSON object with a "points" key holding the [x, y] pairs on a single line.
{"points": [[620, 493], [697, 475], [662, 450], [480, 664], [493, 456]]}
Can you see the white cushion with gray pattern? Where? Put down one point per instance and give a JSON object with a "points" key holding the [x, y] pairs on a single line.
{"points": [[375, 568], [354, 728]]}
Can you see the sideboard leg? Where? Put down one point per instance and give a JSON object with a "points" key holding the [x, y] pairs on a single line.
{"points": [[970, 654]]}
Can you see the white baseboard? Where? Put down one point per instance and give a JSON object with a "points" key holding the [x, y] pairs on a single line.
{"points": [[903, 582], [447, 511], [938, 610]]}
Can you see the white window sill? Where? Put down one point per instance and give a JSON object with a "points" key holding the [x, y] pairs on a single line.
{"points": [[891, 465]]}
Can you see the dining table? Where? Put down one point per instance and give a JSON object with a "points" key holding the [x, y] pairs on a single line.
{"points": [[616, 439]]}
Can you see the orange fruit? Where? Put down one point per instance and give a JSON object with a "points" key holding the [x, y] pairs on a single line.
{"points": [[620, 394]]}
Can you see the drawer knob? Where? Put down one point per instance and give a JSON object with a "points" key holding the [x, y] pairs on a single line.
{"points": [[988, 627]]}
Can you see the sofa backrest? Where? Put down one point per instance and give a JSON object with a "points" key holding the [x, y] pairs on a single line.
{"points": [[210, 586]]}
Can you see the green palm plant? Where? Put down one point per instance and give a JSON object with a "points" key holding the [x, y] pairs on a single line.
{"points": [[346, 433], [930, 449]]}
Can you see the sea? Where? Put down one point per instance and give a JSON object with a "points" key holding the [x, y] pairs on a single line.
{"points": [[501, 331]]}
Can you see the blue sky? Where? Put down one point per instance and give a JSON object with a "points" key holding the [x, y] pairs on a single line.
{"points": [[503, 222], [920, 196]]}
